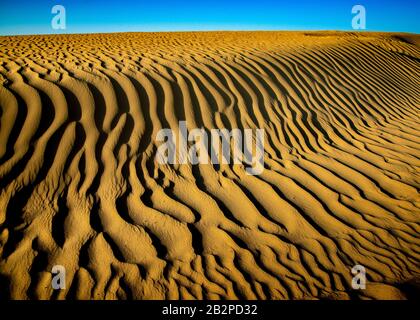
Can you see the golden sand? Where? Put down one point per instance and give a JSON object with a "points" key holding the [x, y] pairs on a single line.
{"points": [[80, 186]]}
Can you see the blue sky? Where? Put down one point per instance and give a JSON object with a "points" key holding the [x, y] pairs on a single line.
{"points": [[86, 16]]}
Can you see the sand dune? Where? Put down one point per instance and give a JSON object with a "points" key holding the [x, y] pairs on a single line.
{"points": [[80, 185]]}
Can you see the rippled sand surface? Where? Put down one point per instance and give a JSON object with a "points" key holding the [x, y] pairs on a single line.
{"points": [[80, 186]]}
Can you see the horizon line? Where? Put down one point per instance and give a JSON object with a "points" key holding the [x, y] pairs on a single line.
{"points": [[211, 30]]}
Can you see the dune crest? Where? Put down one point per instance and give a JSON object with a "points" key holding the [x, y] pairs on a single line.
{"points": [[80, 186]]}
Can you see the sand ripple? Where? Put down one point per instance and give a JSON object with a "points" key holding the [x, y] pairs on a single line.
{"points": [[80, 187]]}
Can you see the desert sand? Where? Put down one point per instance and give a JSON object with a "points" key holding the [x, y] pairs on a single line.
{"points": [[80, 186]]}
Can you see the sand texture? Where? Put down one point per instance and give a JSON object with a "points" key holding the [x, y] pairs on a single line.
{"points": [[80, 185]]}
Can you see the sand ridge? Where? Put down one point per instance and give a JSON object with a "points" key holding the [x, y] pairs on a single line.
{"points": [[80, 185]]}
